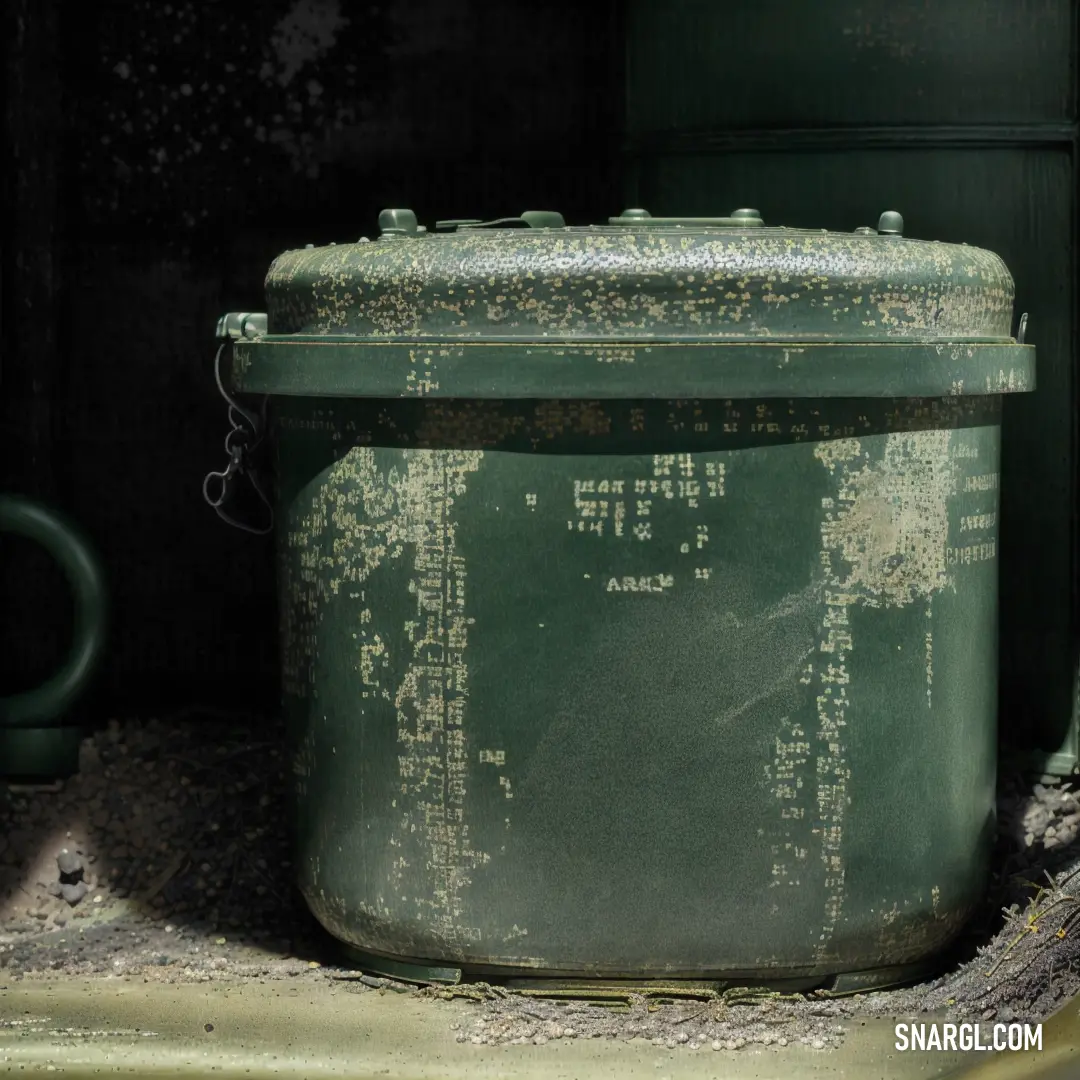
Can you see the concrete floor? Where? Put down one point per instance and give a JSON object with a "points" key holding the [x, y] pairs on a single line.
{"points": [[87, 1027]]}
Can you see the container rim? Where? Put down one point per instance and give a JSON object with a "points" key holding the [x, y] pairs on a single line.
{"points": [[327, 366]]}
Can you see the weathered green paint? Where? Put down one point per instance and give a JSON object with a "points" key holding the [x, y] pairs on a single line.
{"points": [[634, 682], [638, 281]]}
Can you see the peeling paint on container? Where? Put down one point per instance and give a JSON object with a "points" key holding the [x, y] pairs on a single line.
{"points": [[888, 525], [605, 683]]}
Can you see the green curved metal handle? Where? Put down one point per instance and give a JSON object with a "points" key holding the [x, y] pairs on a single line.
{"points": [[47, 705]]}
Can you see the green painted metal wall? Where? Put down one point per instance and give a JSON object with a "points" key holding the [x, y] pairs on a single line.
{"points": [[962, 117]]}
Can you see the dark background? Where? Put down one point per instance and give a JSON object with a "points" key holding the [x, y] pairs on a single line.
{"points": [[164, 155], [159, 156]]}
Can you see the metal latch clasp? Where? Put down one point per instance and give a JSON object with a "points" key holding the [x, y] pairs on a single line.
{"points": [[247, 430], [238, 325]]}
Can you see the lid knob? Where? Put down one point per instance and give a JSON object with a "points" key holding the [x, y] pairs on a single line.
{"points": [[746, 215], [544, 219], [636, 215], [890, 224], [397, 223]]}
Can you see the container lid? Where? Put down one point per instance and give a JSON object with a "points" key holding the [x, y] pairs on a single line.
{"points": [[643, 305]]}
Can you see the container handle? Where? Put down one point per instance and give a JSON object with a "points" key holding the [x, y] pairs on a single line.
{"points": [[46, 706], [246, 432]]}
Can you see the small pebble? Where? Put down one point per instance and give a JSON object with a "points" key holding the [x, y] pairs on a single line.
{"points": [[69, 862], [74, 893]]}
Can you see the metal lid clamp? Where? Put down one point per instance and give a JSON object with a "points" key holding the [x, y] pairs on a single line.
{"points": [[530, 219]]}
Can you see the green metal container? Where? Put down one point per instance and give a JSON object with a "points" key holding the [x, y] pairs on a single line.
{"points": [[639, 590]]}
